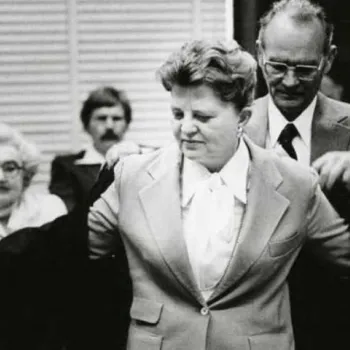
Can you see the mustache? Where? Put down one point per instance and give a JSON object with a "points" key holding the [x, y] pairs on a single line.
{"points": [[109, 135]]}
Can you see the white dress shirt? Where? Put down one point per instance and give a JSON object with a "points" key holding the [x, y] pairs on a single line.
{"points": [[212, 216], [91, 156], [303, 123]]}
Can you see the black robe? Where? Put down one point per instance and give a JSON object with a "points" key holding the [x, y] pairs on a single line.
{"points": [[53, 297]]}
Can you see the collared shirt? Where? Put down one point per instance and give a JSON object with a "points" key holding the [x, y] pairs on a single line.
{"points": [[33, 210], [234, 178], [91, 156], [303, 123]]}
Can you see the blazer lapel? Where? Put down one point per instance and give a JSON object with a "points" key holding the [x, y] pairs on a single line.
{"points": [[161, 203], [330, 129], [265, 208]]}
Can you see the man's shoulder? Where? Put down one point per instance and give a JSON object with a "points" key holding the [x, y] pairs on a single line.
{"points": [[68, 158], [333, 109], [155, 162], [334, 103], [292, 169], [69, 164], [257, 124], [142, 160], [297, 179], [259, 111], [289, 169], [262, 100], [260, 105]]}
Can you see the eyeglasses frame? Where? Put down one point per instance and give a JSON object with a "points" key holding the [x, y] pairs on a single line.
{"points": [[291, 67], [6, 174]]}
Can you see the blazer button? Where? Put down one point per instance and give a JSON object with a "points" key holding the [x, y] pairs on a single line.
{"points": [[204, 311]]}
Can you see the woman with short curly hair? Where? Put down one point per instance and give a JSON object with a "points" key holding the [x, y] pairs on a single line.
{"points": [[212, 224], [19, 162]]}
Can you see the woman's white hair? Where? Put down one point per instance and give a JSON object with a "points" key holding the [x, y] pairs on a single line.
{"points": [[29, 153]]}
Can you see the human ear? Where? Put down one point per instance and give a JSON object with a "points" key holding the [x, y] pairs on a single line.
{"points": [[27, 177], [244, 116], [330, 59], [258, 49]]}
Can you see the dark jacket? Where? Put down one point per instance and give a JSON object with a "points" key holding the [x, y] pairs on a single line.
{"points": [[320, 300], [53, 296], [70, 181]]}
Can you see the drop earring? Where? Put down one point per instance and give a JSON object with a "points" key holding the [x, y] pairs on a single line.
{"points": [[239, 131]]}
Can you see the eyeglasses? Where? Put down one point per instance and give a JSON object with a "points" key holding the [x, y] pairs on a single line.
{"points": [[302, 72], [10, 169]]}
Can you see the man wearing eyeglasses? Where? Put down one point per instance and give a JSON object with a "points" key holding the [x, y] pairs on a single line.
{"points": [[295, 50]]}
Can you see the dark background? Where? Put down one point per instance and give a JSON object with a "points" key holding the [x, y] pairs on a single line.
{"points": [[246, 26]]}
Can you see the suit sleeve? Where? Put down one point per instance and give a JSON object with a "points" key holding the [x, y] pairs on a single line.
{"points": [[103, 220], [61, 183], [328, 236]]}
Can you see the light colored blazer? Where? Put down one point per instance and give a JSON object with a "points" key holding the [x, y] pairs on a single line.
{"points": [[330, 129], [249, 309]]}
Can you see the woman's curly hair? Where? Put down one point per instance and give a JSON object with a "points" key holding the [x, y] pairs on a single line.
{"points": [[225, 67], [29, 153]]}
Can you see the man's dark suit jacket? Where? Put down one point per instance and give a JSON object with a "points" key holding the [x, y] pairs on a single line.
{"points": [[320, 300], [70, 181], [53, 296]]}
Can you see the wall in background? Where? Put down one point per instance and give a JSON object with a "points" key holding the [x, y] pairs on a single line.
{"points": [[53, 52]]}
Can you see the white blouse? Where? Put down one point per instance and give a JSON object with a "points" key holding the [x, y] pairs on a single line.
{"points": [[33, 210], [211, 221]]}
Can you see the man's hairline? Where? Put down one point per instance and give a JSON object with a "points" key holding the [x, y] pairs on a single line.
{"points": [[261, 42]]}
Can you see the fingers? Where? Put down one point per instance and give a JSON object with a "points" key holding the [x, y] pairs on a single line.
{"points": [[331, 173], [112, 156], [120, 150], [333, 166], [127, 147], [346, 178], [322, 166]]}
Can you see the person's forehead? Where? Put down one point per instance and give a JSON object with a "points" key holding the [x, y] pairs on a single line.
{"points": [[9, 153], [199, 96], [109, 110], [284, 32]]}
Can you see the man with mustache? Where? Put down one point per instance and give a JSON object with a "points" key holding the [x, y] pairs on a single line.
{"points": [[105, 115], [295, 50]]}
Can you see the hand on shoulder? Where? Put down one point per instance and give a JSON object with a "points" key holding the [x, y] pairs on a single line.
{"points": [[120, 150], [333, 166]]}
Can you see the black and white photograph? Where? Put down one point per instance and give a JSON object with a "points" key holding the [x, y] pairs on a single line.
{"points": [[174, 175]]}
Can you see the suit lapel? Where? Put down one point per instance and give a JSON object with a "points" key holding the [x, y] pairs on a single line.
{"points": [[161, 203], [329, 129], [264, 210]]}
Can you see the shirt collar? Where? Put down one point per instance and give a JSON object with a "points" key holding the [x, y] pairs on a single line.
{"points": [[303, 122], [91, 156], [234, 175]]}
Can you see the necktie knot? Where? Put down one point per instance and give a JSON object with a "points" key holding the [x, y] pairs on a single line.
{"points": [[288, 133], [286, 137]]}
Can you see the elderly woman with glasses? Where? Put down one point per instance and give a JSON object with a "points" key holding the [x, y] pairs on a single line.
{"points": [[19, 161], [212, 224]]}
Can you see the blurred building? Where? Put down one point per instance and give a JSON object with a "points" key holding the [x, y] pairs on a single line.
{"points": [[53, 52]]}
